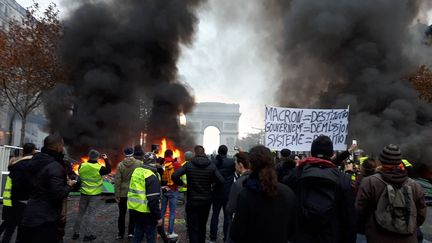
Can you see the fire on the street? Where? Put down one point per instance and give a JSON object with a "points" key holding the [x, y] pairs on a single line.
{"points": [[167, 144]]}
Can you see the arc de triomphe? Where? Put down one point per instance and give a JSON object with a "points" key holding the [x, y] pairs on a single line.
{"points": [[224, 117]]}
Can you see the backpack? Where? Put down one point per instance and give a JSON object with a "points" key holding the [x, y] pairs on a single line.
{"points": [[166, 175], [396, 210], [318, 189]]}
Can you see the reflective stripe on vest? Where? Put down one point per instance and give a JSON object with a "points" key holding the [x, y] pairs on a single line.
{"points": [[91, 180], [7, 201], [406, 163], [137, 198], [184, 179], [353, 177]]}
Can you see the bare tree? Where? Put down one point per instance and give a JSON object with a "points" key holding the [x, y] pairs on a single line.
{"points": [[29, 63]]}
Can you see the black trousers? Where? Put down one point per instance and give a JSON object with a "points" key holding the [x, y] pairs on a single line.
{"points": [[12, 218], [46, 232], [122, 218], [197, 216]]}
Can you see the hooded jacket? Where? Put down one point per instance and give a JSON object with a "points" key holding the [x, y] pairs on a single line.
{"points": [[123, 175], [261, 219], [201, 174], [21, 186], [342, 226], [47, 173], [369, 192]]}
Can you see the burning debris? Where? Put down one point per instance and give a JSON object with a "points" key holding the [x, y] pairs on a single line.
{"points": [[356, 53], [165, 145], [120, 53]]}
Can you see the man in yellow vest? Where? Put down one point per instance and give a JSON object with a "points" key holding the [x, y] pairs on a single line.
{"points": [[143, 203], [17, 192], [91, 188], [183, 189]]}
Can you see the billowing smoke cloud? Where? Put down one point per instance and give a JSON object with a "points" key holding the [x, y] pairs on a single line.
{"points": [[340, 53], [123, 55]]}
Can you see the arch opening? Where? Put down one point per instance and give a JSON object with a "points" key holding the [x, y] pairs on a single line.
{"points": [[211, 139]]}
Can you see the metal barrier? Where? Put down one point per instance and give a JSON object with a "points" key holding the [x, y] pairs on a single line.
{"points": [[5, 154]]}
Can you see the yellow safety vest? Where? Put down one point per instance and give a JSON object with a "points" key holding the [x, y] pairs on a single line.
{"points": [[184, 179], [362, 159], [353, 177], [7, 201], [91, 180], [406, 163], [137, 197]]}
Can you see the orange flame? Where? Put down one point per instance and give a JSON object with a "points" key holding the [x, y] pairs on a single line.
{"points": [[165, 145], [84, 159]]}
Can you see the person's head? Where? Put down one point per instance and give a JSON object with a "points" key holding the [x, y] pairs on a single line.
{"points": [[368, 167], [168, 153], [29, 149], [262, 164], [295, 158], [391, 155], [149, 158], [138, 151], [322, 147], [199, 150], [188, 155], [223, 150], [54, 142], [285, 153], [93, 155], [128, 152], [242, 163]]}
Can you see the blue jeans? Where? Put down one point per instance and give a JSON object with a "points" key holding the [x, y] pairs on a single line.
{"points": [[171, 198], [148, 230], [219, 205]]}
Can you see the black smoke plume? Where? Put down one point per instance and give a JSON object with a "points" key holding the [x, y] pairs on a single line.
{"points": [[122, 56], [339, 53]]}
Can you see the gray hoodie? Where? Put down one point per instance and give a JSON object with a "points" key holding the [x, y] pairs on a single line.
{"points": [[123, 175]]}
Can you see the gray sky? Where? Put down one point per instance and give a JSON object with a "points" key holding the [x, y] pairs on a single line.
{"points": [[228, 62]]}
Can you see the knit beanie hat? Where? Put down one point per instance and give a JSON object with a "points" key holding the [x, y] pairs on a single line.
{"points": [[128, 152], [391, 154], [93, 155], [149, 157], [322, 147]]}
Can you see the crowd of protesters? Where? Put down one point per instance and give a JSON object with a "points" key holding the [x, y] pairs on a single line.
{"points": [[263, 197]]}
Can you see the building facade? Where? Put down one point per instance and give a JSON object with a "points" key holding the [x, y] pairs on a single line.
{"points": [[10, 122], [9, 10]]}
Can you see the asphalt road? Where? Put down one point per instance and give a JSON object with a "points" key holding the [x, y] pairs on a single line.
{"points": [[106, 223]]}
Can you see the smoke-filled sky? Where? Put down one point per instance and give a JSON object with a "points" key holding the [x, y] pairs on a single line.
{"points": [[353, 47], [228, 61]]}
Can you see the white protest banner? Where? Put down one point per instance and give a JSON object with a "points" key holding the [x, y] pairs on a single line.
{"points": [[295, 129]]}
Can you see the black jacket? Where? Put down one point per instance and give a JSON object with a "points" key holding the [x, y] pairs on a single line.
{"points": [[201, 174], [261, 219], [226, 167], [152, 185], [284, 167], [47, 173], [21, 186], [235, 190], [342, 228]]}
